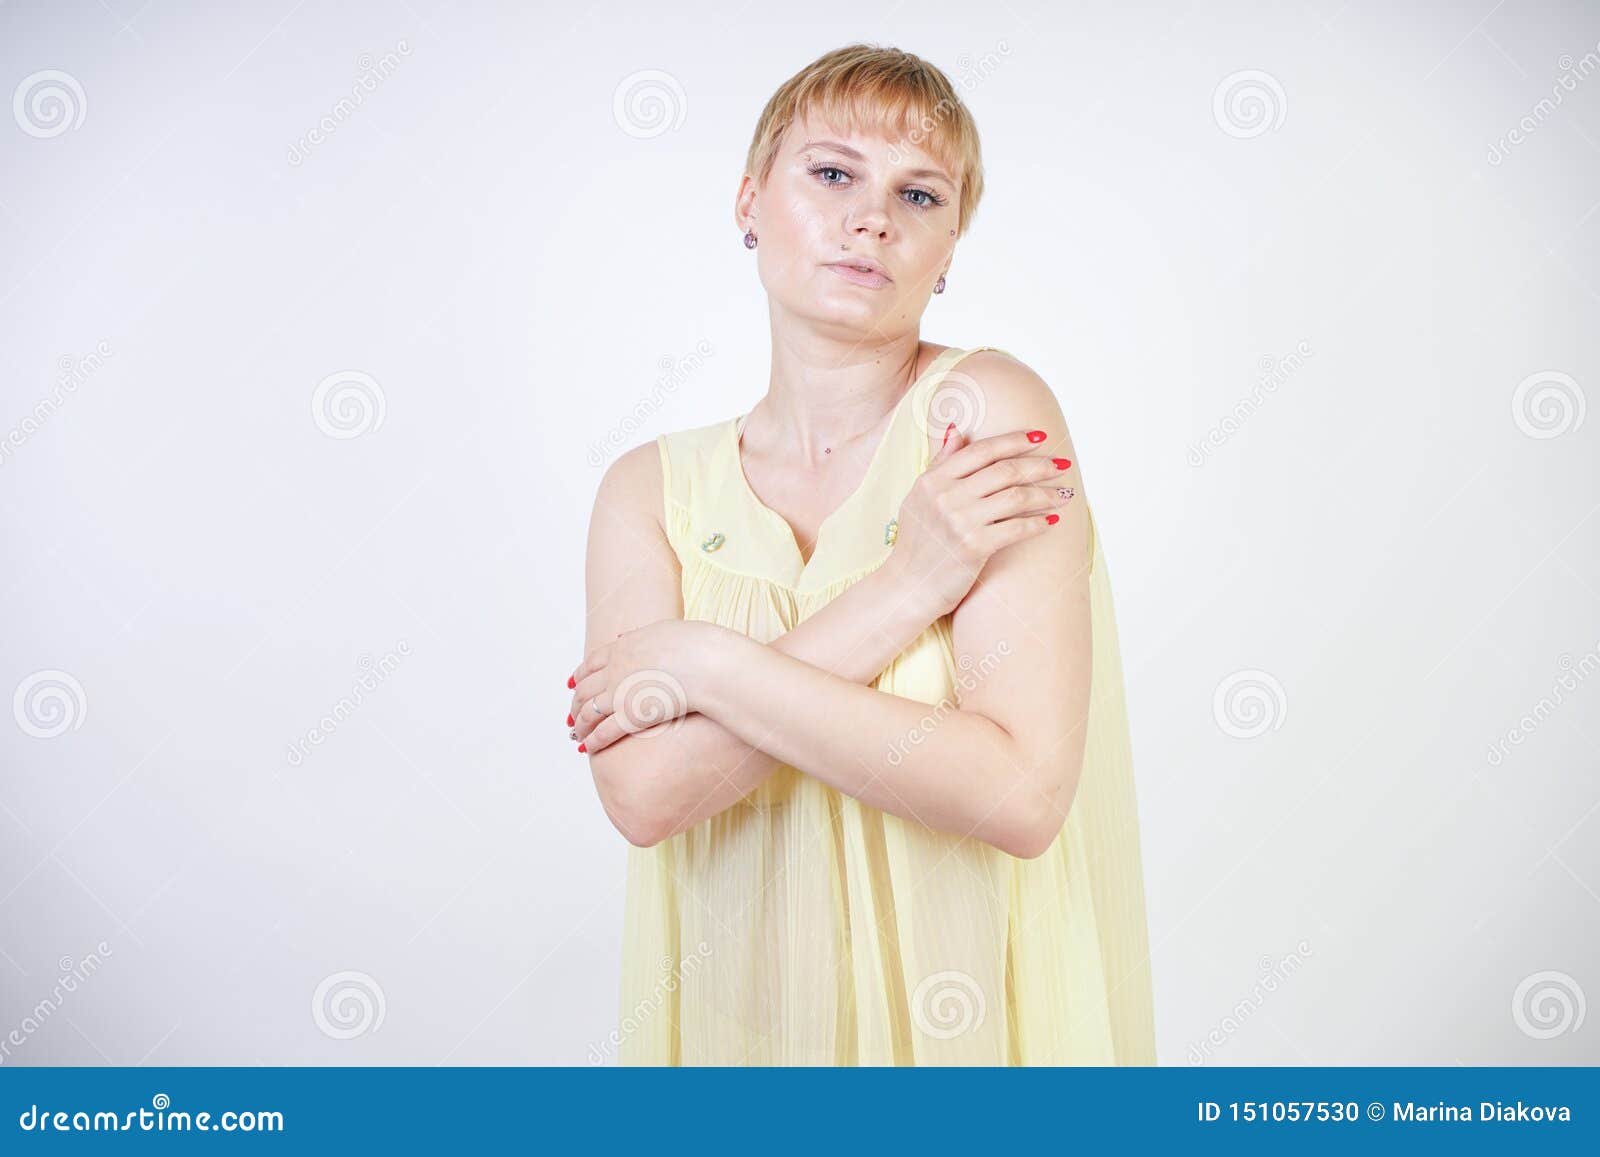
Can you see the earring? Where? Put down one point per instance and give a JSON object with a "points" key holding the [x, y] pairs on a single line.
{"points": [[749, 239], [938, 286]]}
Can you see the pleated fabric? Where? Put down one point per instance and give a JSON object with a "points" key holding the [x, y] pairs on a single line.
{"points": [[801, 927]]}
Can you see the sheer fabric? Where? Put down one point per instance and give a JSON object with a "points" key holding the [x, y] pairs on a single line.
{"points": [[801, 927]]}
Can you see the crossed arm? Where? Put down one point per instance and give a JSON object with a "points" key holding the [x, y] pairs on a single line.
{"points": [[1000, 765]]}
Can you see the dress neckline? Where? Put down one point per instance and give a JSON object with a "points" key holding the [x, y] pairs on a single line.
{"points": [[736, 428]]}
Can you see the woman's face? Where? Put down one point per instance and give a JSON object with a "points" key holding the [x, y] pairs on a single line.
{"points": [[835, 200]]}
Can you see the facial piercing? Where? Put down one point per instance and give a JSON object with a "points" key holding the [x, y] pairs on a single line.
{"points": [[749, 239], [938, 286]]}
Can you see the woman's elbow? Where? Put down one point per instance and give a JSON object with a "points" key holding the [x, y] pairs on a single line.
{"points": [[1035, 824], [629, 803]]}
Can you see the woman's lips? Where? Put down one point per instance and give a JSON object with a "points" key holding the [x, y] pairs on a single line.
{"points": [[860, 276]]}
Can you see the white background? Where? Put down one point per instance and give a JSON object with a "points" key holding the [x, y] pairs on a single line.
{"points": [[1385, 537]]}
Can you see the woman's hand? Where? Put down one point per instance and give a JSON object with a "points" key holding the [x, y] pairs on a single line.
{"points": [[646, 677], [972, 501]]}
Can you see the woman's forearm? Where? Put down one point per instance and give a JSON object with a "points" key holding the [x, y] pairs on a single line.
{"points": [[696, 767], [951, 770]]}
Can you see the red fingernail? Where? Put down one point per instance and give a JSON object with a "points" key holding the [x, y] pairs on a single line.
{"points": [[569, 721], [1036, 435], [571, 682], [947, 430], [1062, 463], [581, 747], [1051, 519]]}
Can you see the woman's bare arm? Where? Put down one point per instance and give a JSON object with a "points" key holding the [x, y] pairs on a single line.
{"points": [[665, 779], [1003, 764]]}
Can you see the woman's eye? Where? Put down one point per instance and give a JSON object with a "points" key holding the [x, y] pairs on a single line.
{"points": [[829, 169], [921, 193]]}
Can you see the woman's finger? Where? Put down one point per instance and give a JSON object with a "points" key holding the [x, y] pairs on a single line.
{"points": [[1006, 472], [590, 714], [1021, 500], [588, 687], [987, 451], [607, 732], [592, 661]]}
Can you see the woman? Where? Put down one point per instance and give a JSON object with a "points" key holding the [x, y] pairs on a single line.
{"points": [[853, 690]]}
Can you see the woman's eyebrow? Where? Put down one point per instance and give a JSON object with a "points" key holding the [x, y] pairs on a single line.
{"points": [[855, 155]]}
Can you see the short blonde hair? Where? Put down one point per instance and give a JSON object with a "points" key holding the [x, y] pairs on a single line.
{"points": [[862, 87]]}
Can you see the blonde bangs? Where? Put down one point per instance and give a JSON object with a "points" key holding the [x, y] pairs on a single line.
{"points": [[867, 90]]}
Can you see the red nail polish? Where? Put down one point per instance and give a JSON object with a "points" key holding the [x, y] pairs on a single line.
{"points": [[1052, 519], [571, 682], [947, 430], [1062, 463], [569, 721], [1036, 435], [581, 747]]}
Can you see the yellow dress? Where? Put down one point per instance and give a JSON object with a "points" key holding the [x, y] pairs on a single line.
{"points": [[802, 927]]}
